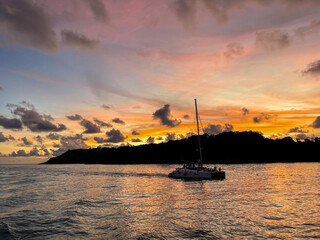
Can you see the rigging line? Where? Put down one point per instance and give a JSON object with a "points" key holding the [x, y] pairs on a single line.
{"points": [[194, 124], [201, 124]]}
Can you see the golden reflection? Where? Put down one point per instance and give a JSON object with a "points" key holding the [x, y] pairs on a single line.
{"points": [[255, 201], [282, 202]]}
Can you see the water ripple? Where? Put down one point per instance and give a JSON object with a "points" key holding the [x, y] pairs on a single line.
{"points": [[267, 201]]}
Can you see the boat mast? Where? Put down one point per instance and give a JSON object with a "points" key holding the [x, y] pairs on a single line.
{"points": [[200, 151]]}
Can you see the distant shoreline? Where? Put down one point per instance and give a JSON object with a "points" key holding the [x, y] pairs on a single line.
{"points": [[209, 163], [238, 163], [225, 148]]}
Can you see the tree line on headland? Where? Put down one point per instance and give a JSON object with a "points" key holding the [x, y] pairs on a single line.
{"points": [[224, 148]]}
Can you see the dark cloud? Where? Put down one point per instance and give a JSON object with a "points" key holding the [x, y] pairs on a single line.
{"points": [[297, 130], [233, 49], [1, 89], [181, 136], [212, 129], [36, 122], [150, 140], [170, 137], [89, 126], [74, 39], [102, 123], [46, 152], [39, 139], [134, 132], [106, 107], [118, 120], [109, 145], [126, 145], [312, 28], [297, 3], [159, 138], [273, 39], [136, 140], [54, 136], [245, 111], [19, 153], [98, 9], [26, 142], [100, 139], [189, 134], [26, 23], [10, 123], [3, 155], [261, 117], [56, 145], [313, 69], [186, 11], [11, 138], [220, 9], [115, 136], [6, 138], [316, 123], [303, 136], [33, 152], [164, 115], [75, 117], [277, 136], [70, 142], [186, 116]]}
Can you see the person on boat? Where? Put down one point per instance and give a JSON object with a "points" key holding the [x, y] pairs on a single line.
{"points": [[215, 168], [219, 169]]}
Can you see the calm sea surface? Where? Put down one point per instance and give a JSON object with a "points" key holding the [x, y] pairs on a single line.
{"points": [[279, 201]]}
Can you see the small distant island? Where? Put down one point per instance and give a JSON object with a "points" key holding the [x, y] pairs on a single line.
{"points": [[224, 148]]}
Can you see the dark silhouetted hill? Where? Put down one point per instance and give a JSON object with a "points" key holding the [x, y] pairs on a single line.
{"points": [[225, 148]]}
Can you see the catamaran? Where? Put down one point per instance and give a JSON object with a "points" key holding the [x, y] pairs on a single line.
{"points": [[196, 170]]}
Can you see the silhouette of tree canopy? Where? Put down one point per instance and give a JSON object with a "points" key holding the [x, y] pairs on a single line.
{"points": [[224, 148]]}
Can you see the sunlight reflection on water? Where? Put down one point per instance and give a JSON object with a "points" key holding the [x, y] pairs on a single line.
{"points": [[139, 202]]}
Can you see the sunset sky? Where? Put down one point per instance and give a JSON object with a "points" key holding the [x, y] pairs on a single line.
{"points": [[89, 73]]}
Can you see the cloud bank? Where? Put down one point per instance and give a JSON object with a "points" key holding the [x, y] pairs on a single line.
{"points": [[273, 39], [312, 69], [74, 39], [75, 117], [316, 123], [114, 136], [25, 23], [150, 140], [245, 111], [261, 117], [99, 10], [102, 123], [33, 120], [118, 120], [70, 142], [134, 132], [164, 115], [89, 126], [212, 129], [4, 138], [10, 123]]}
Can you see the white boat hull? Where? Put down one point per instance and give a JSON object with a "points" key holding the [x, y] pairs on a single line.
{"points": [[197, 174]]}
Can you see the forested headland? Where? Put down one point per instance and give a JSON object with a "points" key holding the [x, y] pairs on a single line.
{"points": [[224, 148]]}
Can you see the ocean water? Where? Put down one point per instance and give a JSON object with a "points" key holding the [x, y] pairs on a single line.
{"points": [[255, 201]]}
